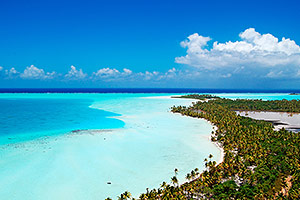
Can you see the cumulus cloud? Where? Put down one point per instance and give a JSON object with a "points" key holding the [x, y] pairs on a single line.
{"points": [[195, 43], [149, 75], [171, 73], [12, 73], [156, 76], [127, 71], [33, 72], [110, 73], [103, 74], [254, 50], [106, 72], [75, 74]]}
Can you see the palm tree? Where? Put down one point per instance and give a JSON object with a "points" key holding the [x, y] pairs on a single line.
{"points": [[143, 196], [174, 180], [188, 176], [163, 185], [196, 171], [193, 174], [256, 144], [210, 156], [176, 171], [127, 195]]}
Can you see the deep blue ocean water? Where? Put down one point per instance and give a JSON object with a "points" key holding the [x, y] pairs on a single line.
{"points": [[142, 90]]}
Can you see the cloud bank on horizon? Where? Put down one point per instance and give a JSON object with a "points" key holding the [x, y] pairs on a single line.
{"points": [[254, 51], [256, 55], [74, 74]]}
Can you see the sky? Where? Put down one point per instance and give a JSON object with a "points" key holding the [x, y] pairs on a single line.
{"points": [[137, 43]]}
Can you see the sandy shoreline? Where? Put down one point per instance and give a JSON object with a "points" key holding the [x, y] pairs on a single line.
{"points": [[79, 164], [209, 136], [289, 121], [161, 97]]}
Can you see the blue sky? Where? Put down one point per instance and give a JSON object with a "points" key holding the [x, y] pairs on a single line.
{"points": [[145, 44]]}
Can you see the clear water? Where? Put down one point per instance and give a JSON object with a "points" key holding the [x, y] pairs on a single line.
{"points": [[42, 159], [23, 119]]}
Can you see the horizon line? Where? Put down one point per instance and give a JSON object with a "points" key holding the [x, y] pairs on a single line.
{"points": [[145, 90]]}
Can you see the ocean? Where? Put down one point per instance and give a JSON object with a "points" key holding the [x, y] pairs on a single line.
{"points": [[67, 145]]}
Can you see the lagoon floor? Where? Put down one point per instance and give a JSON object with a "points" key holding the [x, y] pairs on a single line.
{"points": [[79, 165]]}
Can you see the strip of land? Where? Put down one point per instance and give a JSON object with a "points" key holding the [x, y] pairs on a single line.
{"points": [[288, 121], [259, 162]]}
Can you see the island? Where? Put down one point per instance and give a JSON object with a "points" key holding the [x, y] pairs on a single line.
{"points": [[259, 161]]}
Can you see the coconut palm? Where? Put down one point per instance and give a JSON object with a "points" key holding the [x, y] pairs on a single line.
{"points": [[188, 176], [176, 171], [127, 195], [174, 180], [259, 158]]}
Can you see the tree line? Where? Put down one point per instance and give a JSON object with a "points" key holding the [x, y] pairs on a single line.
{"points": [[259, 162]]}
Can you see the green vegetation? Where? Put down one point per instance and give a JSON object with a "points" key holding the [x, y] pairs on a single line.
{"points": [[259, 163], [292, 106], [293, 93], [197, 96]]}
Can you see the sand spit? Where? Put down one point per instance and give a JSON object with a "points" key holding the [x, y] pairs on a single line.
{"points": [[91, 131], [289, 121]]}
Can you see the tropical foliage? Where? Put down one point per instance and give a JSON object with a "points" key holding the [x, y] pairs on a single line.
{"points": [[197, 96], [259, 163]]}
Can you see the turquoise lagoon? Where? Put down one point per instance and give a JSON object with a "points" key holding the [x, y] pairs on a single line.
{"points": [[129, 140]]}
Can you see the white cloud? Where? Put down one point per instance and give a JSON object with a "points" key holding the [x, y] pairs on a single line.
{"points": [[254, 50], [33, 72], [171, 73], [75, 74], [127, 71], [112, 73], [148, 75], [105, 72], [155, 75], [12, 73], [195, 43], [1, 68], [173, 70]]}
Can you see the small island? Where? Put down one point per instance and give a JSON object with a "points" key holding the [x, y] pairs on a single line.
{"points": [[197, 96], [259, 162]]}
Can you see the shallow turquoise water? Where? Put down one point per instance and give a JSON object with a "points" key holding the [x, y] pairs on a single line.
{"points": [[24, 119], [43, 160], [29, 116]]}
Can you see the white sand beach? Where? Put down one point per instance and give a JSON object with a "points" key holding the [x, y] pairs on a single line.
{"points": [[289, 121]]}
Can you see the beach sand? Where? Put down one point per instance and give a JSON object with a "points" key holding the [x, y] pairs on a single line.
{"points": [[289, 121]]}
